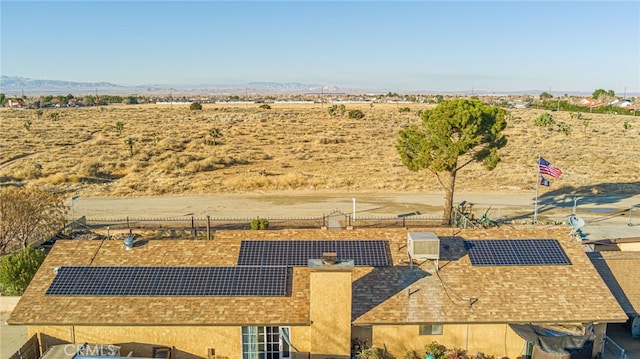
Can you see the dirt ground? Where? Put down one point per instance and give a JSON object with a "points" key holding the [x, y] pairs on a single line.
{"points": [[608, 216]]}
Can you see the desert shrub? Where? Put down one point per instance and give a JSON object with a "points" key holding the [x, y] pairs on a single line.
{"points": [[544, 120], [260, 224], [481, 355], [404, 109], [195, 106], [373, 353], [265, 106], [356, 114], [91, 168], [564, 128], [29, 172], [626, 125], [411, 354], [436, 349], [456, 353]]}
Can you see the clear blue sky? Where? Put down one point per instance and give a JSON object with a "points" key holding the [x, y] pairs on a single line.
{"points": [[396, 46]]}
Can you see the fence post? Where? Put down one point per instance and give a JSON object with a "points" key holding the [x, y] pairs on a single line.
{"points": [[193, 228], [128, 223], [208, 227]]}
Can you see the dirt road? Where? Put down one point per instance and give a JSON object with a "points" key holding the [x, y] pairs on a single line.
{"points": [[317, 203]]}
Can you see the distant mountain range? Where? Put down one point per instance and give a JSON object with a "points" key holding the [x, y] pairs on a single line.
{"points": [[15, 85]]}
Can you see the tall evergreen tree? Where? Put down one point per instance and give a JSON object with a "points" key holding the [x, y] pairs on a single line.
{"points": [[452, 135]]}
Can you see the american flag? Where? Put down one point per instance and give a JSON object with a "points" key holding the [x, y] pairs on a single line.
{"points": [[547, 168]]}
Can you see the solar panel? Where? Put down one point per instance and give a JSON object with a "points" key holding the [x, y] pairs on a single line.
{"points": [[296, 253], [170, 281], [516, 252]]}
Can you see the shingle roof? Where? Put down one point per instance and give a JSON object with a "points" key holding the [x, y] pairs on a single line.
{"points": [[556, 293], [621, 272], [34, 307], [398, 294]]}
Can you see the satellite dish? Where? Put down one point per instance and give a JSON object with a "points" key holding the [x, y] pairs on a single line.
{"points": [[576, 222]]}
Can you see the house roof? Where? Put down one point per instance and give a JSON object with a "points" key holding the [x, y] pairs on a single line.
{"points": [[620, 271], [399, 294], [36, 308]]}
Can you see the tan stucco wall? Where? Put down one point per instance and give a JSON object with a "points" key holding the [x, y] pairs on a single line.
{"points": [[330, 313], [226, 341], [188, 341], [631, 247], [493, 339]]}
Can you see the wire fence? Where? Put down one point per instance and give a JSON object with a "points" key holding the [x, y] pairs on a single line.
{"points": [[203, 224]]}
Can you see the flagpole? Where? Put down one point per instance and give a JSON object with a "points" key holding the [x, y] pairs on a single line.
{"points": [[535, 212]]}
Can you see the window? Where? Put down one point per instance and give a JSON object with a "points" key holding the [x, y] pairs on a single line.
{"points": [[265, 343], [431, 329]]}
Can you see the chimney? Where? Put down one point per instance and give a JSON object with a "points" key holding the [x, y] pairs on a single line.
{"points": [[330, 286]]}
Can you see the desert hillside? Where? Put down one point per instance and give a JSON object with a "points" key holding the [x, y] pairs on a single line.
{"points": [[161, 149]]}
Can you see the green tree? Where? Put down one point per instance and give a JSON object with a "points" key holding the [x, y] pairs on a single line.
{"points": [[337, 110], [598, 92], [545, 96], [131, 100], [544, 120], [28, 215], [215, 133], [130, 141], [119, 127], [17, 270], [195, 106], [2, 98], [452, 135]]}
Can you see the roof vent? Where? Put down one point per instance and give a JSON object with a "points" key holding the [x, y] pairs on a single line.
{"points": [[128, 243], [423, 245], [329, 258]]}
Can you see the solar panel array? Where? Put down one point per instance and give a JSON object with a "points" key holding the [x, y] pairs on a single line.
{"points": [[516, 252], [169, 281], [296, 253]]}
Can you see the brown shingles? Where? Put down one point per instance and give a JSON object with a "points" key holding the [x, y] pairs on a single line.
{"points": [[566, 293], [380, 295], [621, 272]]}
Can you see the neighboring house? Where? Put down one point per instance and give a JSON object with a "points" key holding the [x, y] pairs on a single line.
{"points": [[589, 102], [621, 272], [625, 104], [16, 103], [232, 298]]}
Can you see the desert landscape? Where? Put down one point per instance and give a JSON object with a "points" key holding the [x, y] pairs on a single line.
{"points": [[143, 150]]}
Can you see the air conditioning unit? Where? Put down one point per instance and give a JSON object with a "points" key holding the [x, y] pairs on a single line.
{"points": [[423, 245]]}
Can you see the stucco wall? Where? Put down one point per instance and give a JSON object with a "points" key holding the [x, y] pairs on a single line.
{"points": [[493, 339], [188, 341], [330, 313], [629, 246]]}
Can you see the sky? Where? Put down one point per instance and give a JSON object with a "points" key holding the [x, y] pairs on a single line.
{"points": [[398, 46]]}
